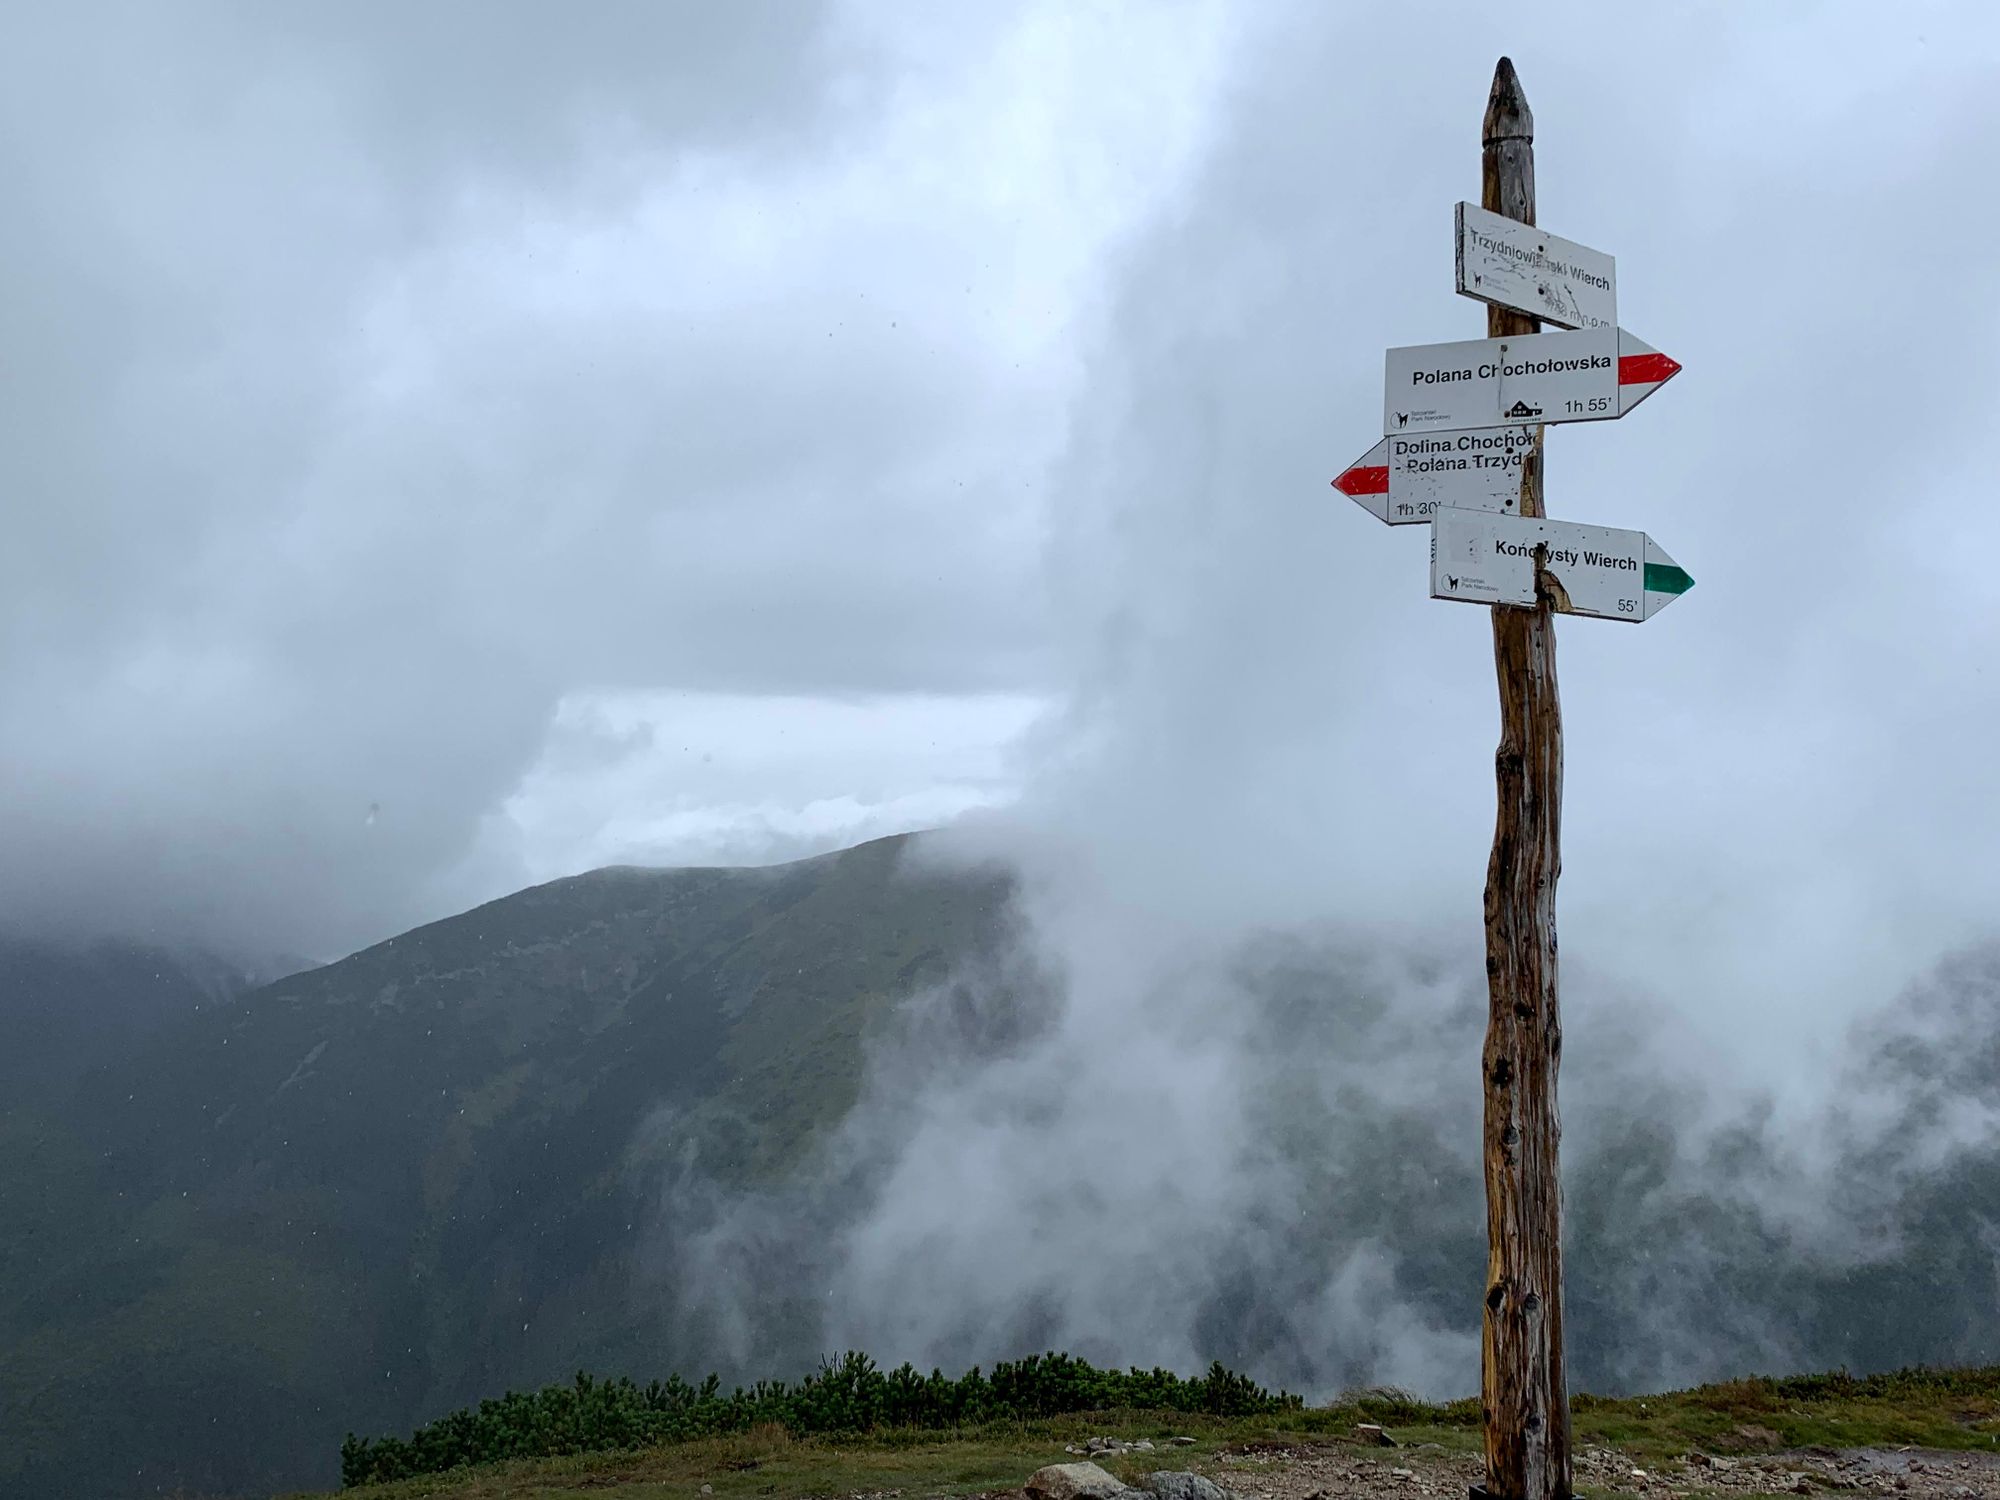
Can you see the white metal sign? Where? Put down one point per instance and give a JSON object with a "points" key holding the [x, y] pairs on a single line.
{"points": [[1402, 480], [1598, 570], [1530, 270], [1591, 375]]}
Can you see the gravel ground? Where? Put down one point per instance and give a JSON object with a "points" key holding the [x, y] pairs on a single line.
{"points": [[1342, 1471]]}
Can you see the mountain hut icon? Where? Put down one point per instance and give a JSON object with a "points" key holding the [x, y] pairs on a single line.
{"points": [[1522, 409]]}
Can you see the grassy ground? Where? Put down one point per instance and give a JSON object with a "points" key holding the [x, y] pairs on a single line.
{"points": [[1957, 1409], [1951, 1410]]}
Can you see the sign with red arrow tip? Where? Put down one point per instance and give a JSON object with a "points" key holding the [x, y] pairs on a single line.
{"points": [[1590, 375], [1403, 480]]}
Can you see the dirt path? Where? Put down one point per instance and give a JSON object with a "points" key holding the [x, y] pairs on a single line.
{"points": [[1342, 1471]]}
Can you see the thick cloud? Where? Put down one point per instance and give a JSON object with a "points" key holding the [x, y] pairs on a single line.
{"points": [[383, 380]]}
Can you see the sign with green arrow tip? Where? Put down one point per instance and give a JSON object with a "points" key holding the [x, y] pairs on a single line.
{"points": [[1481, 557]]}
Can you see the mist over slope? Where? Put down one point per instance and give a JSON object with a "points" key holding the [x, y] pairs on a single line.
{"points": [[1266, 1152]]}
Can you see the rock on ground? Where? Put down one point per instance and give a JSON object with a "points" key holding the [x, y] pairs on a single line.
{"points": [[1169, 1485], [1073, 1482]]}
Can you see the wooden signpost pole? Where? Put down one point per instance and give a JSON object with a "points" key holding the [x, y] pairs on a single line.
{"points": [[1459, 421], [1522, 1386]]}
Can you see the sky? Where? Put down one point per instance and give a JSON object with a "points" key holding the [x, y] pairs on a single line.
{"points": [[448, 449]]}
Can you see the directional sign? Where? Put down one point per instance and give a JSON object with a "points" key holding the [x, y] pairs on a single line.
{"points": [[1401, 480], [1598, 570], [1512, 264], [1592, 375]]}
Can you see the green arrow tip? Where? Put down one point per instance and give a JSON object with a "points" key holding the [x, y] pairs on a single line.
{"points": [[1667, 578]]}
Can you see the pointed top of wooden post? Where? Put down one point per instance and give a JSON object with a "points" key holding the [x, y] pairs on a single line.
{"points": [[1508, 117]]}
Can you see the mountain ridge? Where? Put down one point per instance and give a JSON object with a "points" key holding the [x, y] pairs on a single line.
{"points": [[337, 1187]]}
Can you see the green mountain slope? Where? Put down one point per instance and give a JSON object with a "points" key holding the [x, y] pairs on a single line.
{"points": [[67, 1006], [402, 1181]]}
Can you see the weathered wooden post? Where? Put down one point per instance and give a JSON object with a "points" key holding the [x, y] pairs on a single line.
{"points": [[1463, 428], [1522, 1386]]}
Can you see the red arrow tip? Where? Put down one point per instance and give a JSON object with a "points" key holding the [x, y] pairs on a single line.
{"points": [[1364, 481], [1646, 369]]}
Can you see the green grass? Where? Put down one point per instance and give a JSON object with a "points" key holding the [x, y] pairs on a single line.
{"points": [[1957, 1409], [769, 1462]]}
